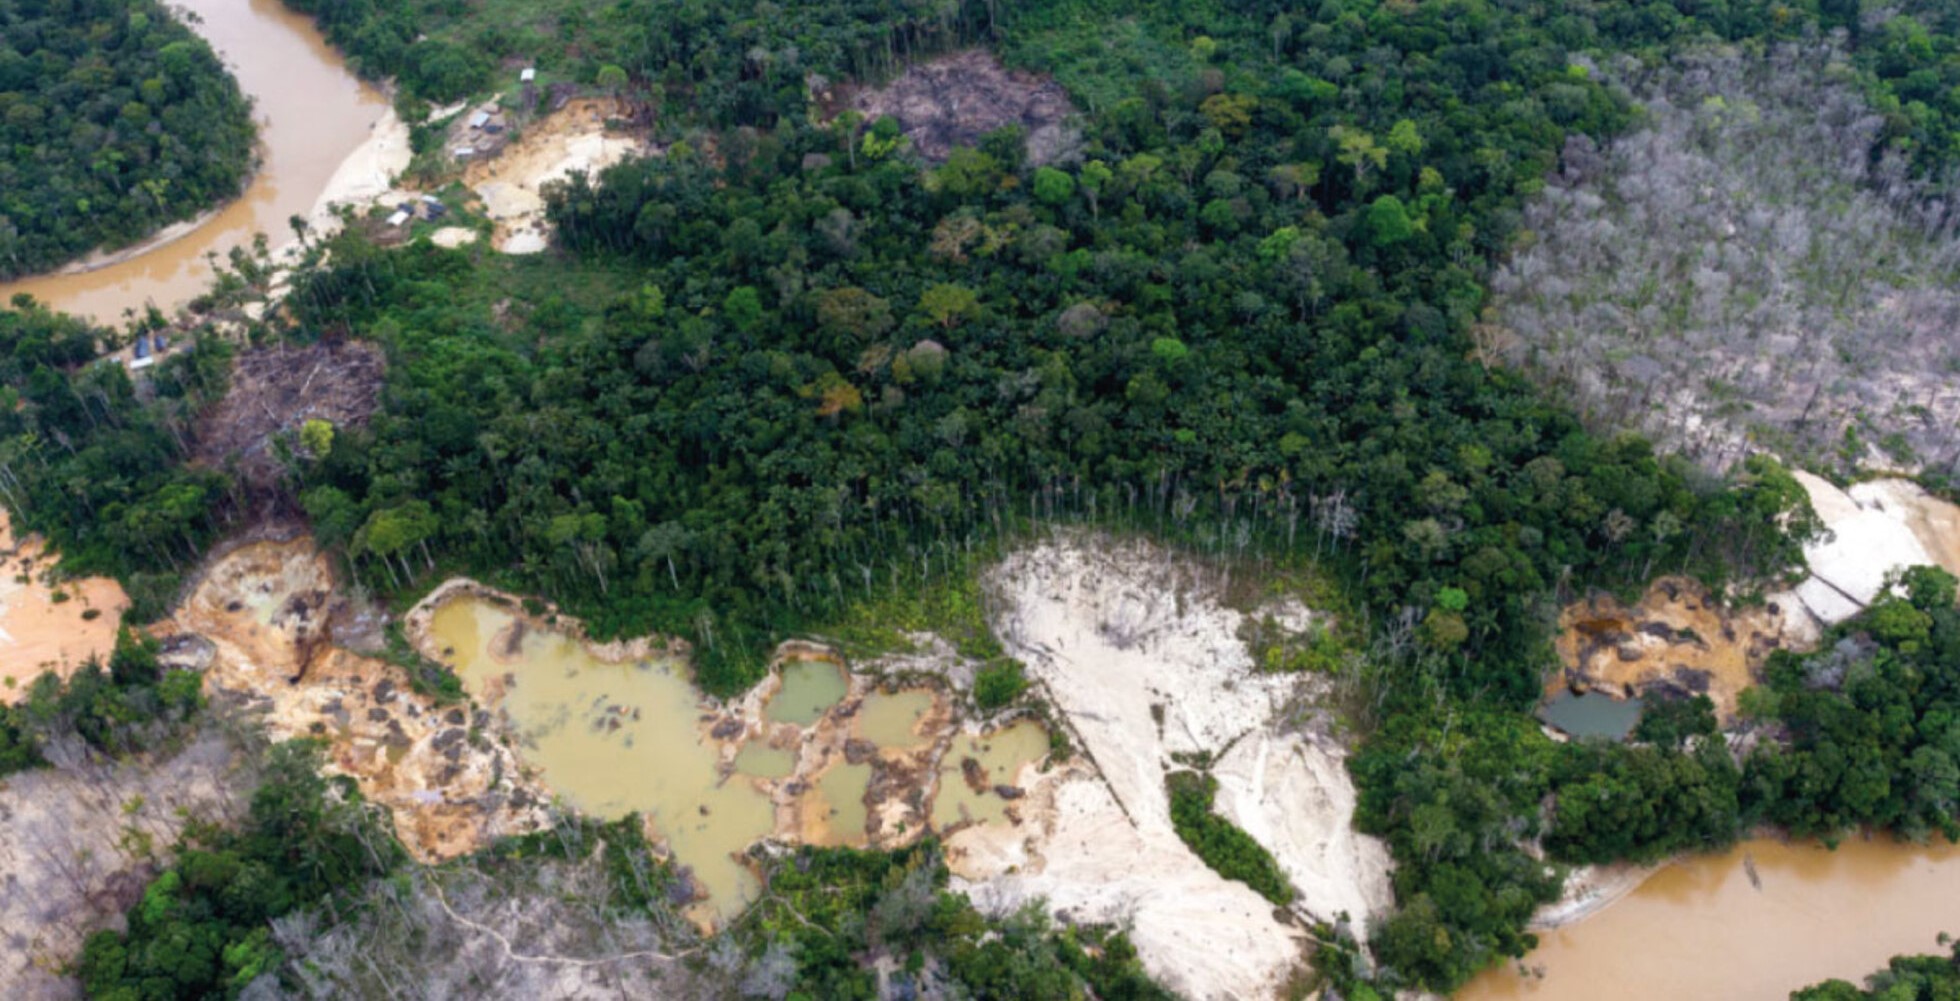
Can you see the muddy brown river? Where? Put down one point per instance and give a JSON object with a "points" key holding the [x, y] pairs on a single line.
{"points": [[312, 113], [1705, 929]]}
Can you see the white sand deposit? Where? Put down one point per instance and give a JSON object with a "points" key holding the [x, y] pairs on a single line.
{"points": [[1117, 631], [453, 237], [571, 140], [1872, 529], [369, 172]]}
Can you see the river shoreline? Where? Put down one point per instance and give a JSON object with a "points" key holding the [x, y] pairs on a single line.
{"points": [[96, 260], [313, 115]]}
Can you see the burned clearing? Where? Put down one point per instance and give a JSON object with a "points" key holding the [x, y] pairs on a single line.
{"points": [[956, 99], [277, 390]]}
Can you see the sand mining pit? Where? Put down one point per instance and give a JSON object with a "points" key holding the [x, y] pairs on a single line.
{"points": [[619, 727], [49, 627], [1676, 641], [510, 184], [1872, 529], [956, 99], [266, 610], [1133, 647]]}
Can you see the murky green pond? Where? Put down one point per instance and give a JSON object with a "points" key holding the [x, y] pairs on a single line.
{"points": [[892, 720], [1592, 715], [810, 688], [997, 758], [840, 799], [765, 762], [613, 739]]}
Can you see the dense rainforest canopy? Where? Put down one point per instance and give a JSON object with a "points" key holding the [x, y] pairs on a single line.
{"points": [[787, 366], [115, 120], [1905, 978]]}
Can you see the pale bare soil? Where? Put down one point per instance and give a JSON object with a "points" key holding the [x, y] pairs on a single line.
{"points": [[1873, 529], [1121, 635], [573, 139], [39, 633], [78, 842]]}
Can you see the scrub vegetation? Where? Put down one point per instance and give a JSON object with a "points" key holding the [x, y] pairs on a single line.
{"points": [[115, 120], [1741, 270], [1230, 852]]}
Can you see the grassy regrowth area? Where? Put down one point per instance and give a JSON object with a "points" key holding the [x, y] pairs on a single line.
{"points": [[1229, 851]]}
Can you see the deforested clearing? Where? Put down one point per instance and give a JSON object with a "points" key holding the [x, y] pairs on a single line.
{"points": [[275, 391], [956, 99], [1144, 663], [1740, 272]]}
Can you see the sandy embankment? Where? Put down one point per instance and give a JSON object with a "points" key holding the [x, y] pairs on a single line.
{"points": [[38, 633], [99, 259], [1873, 528], [570, 140], [265, 613], [366, 178], [1590, 889], [1144, 664]]}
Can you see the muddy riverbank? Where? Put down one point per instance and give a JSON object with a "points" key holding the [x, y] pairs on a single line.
{"points": [[1755, 922], [314, 117]]}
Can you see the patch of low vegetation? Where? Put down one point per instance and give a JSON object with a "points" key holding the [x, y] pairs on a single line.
{"points": [[951, 605], [998, 684], [1229, 851], [425, 676], [830, 919], [130, 705], [202, 928]]}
